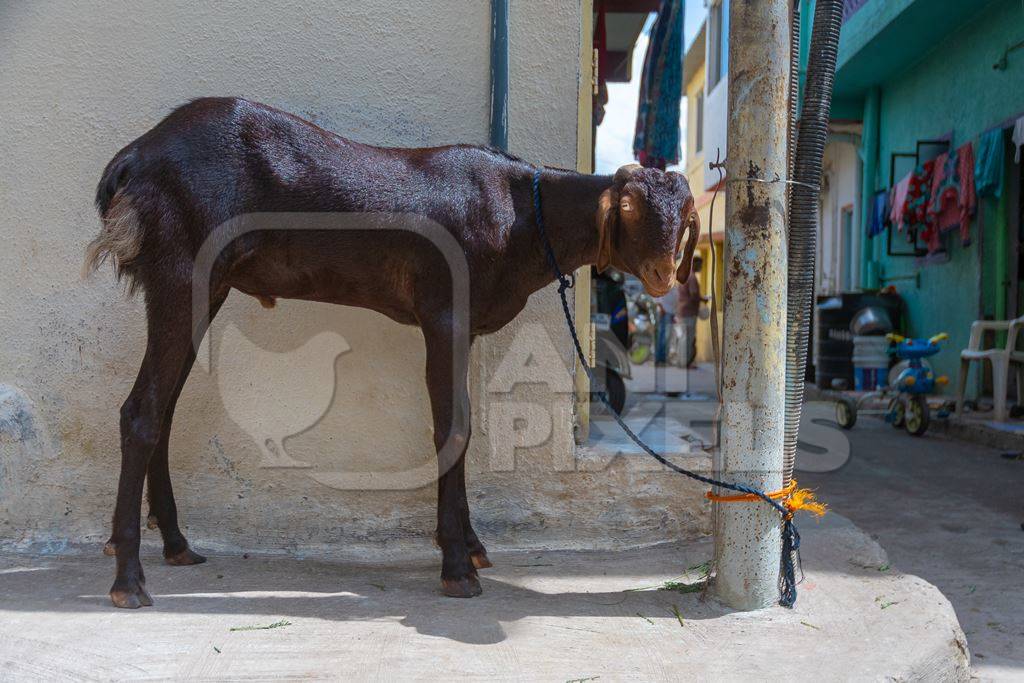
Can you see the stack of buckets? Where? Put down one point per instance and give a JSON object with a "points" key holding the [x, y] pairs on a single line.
{"points": [[870, 362]]}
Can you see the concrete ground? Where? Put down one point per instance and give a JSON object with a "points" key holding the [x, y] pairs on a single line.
{"points": [[557, 616], [949, 512], [560, 615], [697, 382]]}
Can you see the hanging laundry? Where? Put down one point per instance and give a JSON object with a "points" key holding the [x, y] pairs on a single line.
{"points": [[952, 200], [918, 192], [968, 193], [931, 234], [1018, 139], [988, 167], [899, 202], [879, 213], [656, 142]]}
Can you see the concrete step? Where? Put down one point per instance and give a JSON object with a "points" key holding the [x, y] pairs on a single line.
{"points": [[544, 615]]}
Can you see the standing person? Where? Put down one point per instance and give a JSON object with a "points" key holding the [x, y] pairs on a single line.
{"points": [[686, 313], [667, 305]]}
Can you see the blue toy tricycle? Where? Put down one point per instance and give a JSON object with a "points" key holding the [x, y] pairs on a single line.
{"points": [[907, 399]]}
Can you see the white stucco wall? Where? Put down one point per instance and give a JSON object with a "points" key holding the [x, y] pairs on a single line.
{"points": [[716, 125], [837, 251], [80, 80]]}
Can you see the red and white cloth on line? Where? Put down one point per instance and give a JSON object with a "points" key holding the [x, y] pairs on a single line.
{"points": [[899, 202], [953, 200]]}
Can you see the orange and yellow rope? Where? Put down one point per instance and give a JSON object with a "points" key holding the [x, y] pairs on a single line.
{"points": [[792, 498]]}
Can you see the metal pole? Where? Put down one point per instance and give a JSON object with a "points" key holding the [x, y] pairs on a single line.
{"points": [[499, 74], [869, 157], [747, 535]]}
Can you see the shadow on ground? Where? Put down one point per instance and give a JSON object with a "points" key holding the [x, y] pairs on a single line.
{"points": [[548, 615], [547, 584]]}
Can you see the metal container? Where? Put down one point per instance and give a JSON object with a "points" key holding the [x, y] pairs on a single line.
{"points": [[871, 320]]}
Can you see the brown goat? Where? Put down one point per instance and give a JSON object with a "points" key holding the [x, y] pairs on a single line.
{"points": [[214, 160]]}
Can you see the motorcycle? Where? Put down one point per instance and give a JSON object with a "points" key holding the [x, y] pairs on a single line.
{"points": [[612, 367], [643, 327], [610, 317]]}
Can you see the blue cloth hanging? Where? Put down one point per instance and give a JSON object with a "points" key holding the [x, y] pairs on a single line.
{"points": [[879, 213], [657, 138], [988, 164]]}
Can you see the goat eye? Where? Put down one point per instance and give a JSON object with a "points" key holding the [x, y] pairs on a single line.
{"points": [[626, 205]]}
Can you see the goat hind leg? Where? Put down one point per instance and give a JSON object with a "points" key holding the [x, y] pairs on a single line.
{"points": [[142, 421], [163, 512]]}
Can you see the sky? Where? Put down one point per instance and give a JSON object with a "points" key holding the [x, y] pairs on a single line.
{"points": [[614, 143]]}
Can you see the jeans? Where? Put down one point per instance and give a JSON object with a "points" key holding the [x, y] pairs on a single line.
{"points": [[688, 340], [665, 321]]}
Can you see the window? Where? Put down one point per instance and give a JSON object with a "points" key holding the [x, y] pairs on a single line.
{"points": [[718, 43], [698, 145]]}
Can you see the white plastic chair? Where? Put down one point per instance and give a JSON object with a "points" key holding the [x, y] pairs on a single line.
{"points": [[1000, 360]]}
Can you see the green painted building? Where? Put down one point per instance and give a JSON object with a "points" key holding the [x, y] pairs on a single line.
{"points": [[915, 78]]}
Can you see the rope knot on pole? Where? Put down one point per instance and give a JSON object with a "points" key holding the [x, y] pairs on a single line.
{"points": [[792, 498], [788, 499]]}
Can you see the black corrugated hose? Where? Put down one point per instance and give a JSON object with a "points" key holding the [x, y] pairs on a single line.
{"points": [[803, 205]]}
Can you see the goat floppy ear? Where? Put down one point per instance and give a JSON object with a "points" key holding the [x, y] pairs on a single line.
{"points": [[608, 214], [693, 228], [607, 217]]}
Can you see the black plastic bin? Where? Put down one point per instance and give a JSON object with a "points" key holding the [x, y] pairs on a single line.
{"points": [[833, 337]]}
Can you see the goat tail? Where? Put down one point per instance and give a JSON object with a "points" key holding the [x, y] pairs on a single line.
{"points": [[120, 237]]}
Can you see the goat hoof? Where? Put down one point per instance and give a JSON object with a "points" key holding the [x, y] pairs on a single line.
{"points": [[184, 558], [480, 560], [110, 549], [152, 523], [466, 587], [130, 594]]}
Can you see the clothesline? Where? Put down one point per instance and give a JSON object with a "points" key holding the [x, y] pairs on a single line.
{"points": [[941, 194], [1005, 123]]}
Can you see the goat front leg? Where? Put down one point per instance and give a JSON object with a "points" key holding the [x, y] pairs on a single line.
{"points": [[447, 376], [477, 552]]}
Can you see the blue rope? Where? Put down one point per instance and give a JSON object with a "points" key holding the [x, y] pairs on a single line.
{"points": [[790, 535]]}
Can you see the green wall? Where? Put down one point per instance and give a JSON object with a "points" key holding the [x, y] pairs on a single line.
{"points": [[952, 89]]}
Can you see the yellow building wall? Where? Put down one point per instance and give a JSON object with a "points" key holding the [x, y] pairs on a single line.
{"points": [[696, 167], [694, 163]]}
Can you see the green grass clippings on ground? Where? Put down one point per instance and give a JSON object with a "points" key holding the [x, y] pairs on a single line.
{"points": [[276, 624]]}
